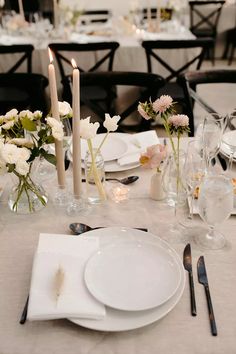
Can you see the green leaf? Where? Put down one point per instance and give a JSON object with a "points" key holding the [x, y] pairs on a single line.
{"points": [[42, 133], [11, 167], [50, 158], [28, 124], [49, 139]]}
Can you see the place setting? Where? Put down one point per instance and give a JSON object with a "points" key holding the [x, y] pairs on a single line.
{"points": [[109, 279]]}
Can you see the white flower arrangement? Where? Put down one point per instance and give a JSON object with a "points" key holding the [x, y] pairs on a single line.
{"points": [[71, 10], [23, 137]]}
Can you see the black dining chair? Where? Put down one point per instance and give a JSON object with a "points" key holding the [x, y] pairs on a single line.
{"points": [[190, 82], [101, 55], [204, 19], [154, 52], [230, 45], [139, 87], [22, 55], [23, 91]]}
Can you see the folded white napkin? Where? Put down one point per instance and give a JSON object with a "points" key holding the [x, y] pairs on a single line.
{"points": [[138, 143], [69, 254]]}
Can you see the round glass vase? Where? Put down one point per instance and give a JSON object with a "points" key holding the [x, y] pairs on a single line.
{"points": [[95, 177], [173, 181], [26, 196]]}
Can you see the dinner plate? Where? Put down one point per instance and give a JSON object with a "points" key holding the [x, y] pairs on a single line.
{"points": [[118, 320], [228, 138], [132, 276], [113, 148]]}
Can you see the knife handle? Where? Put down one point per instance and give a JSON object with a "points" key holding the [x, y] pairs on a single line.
{"points": [[192, 294], [23, 317], [211, 312]]}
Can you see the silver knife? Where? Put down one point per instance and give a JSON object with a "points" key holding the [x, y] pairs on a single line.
{"points": [[187, 261], [202, 278]]}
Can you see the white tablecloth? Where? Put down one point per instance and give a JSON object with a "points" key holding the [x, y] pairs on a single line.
{"points": [[177, 333]]}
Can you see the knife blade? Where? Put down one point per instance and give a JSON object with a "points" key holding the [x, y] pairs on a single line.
{"points": [[187, 261], [202, 278]]}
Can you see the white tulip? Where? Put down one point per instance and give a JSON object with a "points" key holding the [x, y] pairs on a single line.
{"points": [[38, 114], [110, 123], [3, 167], [12, 114], [21, 142], [57, 132], [52, 122], [8, 125], [88, 130]]}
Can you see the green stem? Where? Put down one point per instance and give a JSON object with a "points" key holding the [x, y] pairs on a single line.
{"points": [[96, 176]]}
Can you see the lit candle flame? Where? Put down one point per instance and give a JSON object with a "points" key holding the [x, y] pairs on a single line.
{"points": [[50, 55], [73, 63]]}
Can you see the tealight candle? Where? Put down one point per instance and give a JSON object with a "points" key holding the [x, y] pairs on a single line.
{"points": [[120, 194]]}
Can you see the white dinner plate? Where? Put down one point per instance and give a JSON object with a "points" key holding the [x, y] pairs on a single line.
{"points": [[117, 320], [132, 276], [113, 148], [230, 138]]}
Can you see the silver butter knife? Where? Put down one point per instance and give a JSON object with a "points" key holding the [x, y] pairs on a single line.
{"points": [[202, 278], [187, 261]]}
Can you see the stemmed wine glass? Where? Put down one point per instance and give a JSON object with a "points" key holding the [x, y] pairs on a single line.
{"points": [[215, 205], [228, 142], [213, 127], [194, 170]]}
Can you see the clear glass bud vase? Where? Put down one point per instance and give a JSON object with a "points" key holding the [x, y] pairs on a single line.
{"points": [[95, 177], [26, 196]]}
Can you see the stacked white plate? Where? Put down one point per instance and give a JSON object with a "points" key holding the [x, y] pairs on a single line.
{"points": [[228, 144], [136, 275], [120, 151]]}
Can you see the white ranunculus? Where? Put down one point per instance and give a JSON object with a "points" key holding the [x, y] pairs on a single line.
{"points": [[64, 109], [22, 167], [8, 125], [24, 153], [21, 142], [28, 114], [57, 132], [9, 153], [88, 130], [110, 123]]}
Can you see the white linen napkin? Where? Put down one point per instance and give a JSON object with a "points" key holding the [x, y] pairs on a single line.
{"points": [[70, 254], [138, 143]]}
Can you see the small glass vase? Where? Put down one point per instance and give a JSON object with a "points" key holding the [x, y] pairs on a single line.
{"points": [[156, 191], [95, 177], [27, 196], [173, 180]]}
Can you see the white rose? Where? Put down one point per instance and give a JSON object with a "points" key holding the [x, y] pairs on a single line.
{"points": [[22, 167], [13, 113], [57, 132], [37, 114], [27, 114], [9, 153], [52, 122], [22, 142], [24, 153], [8, 125], [64, 108], [88, 130], [110, 123]]}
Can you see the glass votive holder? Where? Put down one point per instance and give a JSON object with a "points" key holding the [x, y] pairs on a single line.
{"points": [[119, 194]]}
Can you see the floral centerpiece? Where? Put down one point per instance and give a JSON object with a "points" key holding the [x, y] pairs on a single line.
{"points": [[71, 11], [88, 131], [23, 138], [174, 124]]}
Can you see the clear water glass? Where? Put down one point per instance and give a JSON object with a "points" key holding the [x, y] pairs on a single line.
{"points": [[215, 205]]}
